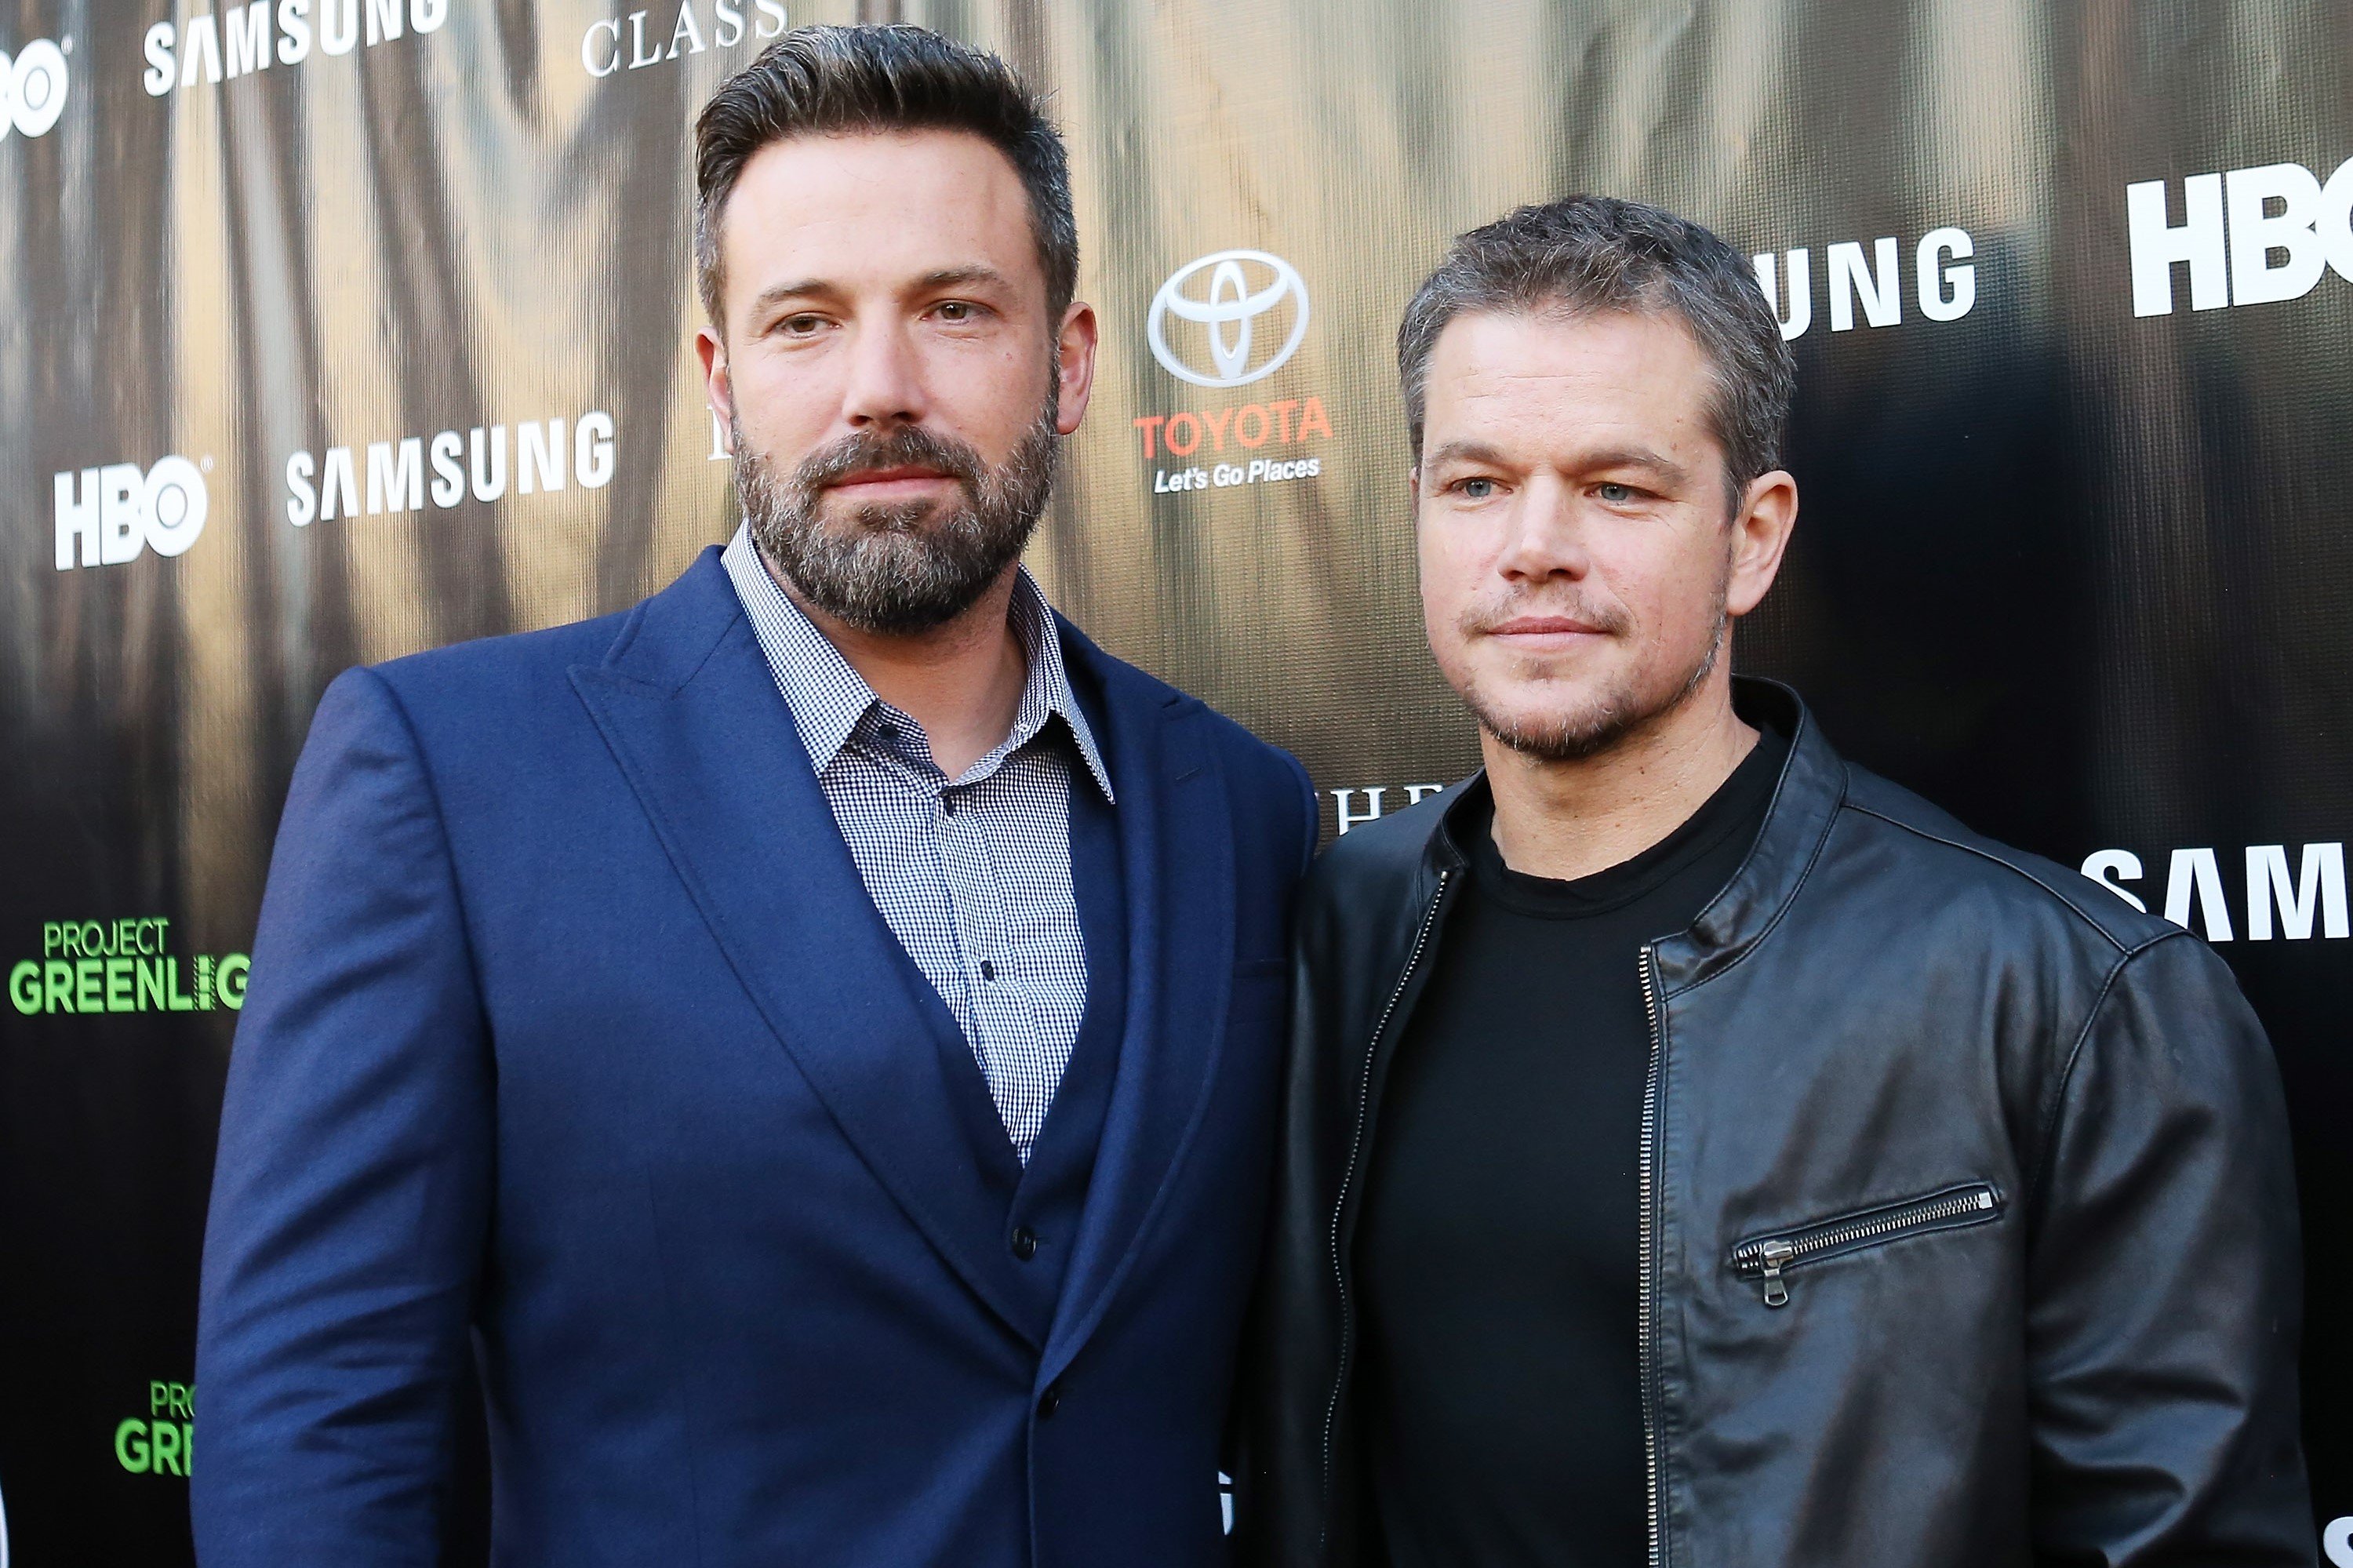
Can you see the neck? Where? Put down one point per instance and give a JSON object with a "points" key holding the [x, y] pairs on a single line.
{"points": [[961, 680], [1570, 819]]}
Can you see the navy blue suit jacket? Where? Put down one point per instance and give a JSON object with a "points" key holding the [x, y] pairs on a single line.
{"points": [[576, 1047]]}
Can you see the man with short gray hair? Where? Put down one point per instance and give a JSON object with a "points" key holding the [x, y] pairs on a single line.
{"points": [[1698, 1150]]}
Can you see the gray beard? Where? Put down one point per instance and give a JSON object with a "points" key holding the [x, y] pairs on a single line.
{"points": [[905, 568]]}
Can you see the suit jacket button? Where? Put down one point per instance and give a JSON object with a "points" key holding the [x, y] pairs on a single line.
{"points": [[1051, 1400], [1025, 1243]]}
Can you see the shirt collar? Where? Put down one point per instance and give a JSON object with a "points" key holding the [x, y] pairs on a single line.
{"points": [[830, 700]]}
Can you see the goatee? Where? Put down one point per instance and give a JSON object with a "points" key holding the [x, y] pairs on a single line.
{"points": [[1574, 734], [909, 566]]}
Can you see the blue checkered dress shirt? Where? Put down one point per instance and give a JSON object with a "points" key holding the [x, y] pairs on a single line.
{"points": [[972, 874]]}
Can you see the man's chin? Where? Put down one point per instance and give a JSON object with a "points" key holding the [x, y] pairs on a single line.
{"points": [[1563, 720], [1552, 736], [846, 516], [1546, 713]]}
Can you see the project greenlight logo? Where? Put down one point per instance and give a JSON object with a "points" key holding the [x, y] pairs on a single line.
{"points": [[164, 1441], [121, 966]]}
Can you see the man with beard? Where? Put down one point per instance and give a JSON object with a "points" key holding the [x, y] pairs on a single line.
{"points": [[1698, 1150], [809, 1041]]}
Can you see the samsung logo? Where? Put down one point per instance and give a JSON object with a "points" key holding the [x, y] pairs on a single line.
{"points": [[241, 39]]}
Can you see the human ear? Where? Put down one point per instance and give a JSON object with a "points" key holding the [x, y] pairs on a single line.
{"points": [[1074, 365], [718, 388], [1760, 535]]}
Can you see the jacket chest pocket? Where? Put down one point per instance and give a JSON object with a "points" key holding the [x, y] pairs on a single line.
{"points": [[1770, 1258]]}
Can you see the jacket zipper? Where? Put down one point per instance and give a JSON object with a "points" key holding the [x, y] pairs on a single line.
{"points": [[1348, 1172], [1767, 1258], [1648, 1366]]}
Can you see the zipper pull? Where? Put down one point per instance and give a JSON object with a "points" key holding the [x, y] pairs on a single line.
{"points": [[1776, 1256]]}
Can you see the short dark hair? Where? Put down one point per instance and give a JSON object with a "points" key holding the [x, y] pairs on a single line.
{"points": [[1587, 255], [828, 80]]}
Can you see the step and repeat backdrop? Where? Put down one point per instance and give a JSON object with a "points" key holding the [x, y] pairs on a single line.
{"points": [[330, 330]]}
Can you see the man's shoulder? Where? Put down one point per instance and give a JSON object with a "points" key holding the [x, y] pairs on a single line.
{"points": [[1386, 854], [1125, 685], [472, 681], [520, 669], [1930, 843]]}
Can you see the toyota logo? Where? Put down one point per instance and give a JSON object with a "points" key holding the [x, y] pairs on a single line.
{"points": [[1228, 308]]}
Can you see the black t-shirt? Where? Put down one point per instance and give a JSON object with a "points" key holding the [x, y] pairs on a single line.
{"points": [[1498, 1247]]}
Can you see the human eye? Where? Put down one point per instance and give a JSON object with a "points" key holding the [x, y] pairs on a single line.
{"points": [[1613, 493], [956, 313], [800, 324], [1478, 487]]}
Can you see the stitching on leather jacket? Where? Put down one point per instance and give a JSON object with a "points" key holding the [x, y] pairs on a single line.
{"points": [[1822, 847], [2047, 1129], [2058, 894]]}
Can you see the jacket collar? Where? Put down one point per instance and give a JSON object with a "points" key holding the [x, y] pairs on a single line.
{"points": [[831, 702], [1806, 800], [692, 716], [1177, 853]]}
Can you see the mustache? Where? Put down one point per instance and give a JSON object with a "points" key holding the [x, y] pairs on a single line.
{"points": [[904, 567], [1480, 619], [868, 451]]}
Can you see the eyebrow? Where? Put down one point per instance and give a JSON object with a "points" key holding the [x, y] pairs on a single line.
{"points": [[777, 294], [1468, 452], [1666, 467], [952, 277], [818, 288]]}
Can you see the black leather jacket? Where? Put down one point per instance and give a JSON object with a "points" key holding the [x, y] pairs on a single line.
{"points": [[1969, 1231]]}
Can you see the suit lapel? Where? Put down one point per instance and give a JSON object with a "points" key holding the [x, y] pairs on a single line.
{"points": [[694, 717], [1177, 855]]}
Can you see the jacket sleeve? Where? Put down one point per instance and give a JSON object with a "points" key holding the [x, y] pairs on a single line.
{"points": [[2166, 1287], [352, 1189], [1310, 813]]}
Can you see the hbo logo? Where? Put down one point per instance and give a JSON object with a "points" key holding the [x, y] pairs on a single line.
{"points": [[117, 512], [2250, 237], [32, 88]]}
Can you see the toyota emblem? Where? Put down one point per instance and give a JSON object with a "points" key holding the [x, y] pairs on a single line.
{"points": [[1242, 286]]}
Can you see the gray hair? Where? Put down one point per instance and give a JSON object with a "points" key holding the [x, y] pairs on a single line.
{"points": [[1586, 256], [821, 80]]}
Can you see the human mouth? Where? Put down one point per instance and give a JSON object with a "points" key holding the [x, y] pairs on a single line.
{"points": [[878, 483], [1544, 633]]}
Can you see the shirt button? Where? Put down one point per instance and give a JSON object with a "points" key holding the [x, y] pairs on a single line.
{"points": [[948, 802], [1025, 1243], [987, 970], [1051, 1400]]}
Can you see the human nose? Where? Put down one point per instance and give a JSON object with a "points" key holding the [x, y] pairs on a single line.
{"points": [[885, 386], [1543, 537]]}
